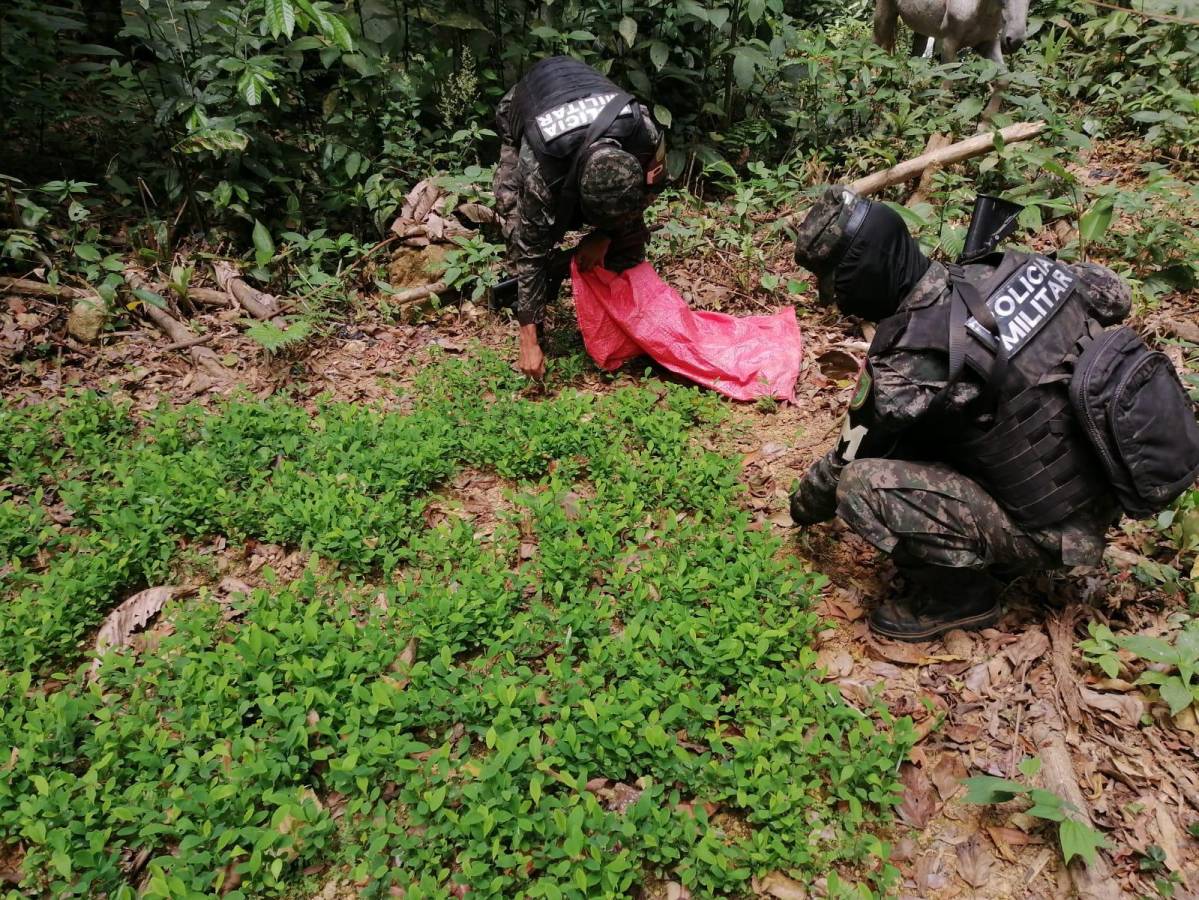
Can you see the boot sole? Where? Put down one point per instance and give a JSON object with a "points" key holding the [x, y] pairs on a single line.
{"points": [[971, 623]]}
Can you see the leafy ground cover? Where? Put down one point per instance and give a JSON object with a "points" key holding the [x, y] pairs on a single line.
{"points": [[613, 682]]}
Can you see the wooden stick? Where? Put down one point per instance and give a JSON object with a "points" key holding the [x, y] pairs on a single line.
{"points": [[205, 296], [260, 305], [174, 329], [1154, 16], [190, 342], [416, 293], [1093, 882], [935, 142], [41, 289], [946, 156]]}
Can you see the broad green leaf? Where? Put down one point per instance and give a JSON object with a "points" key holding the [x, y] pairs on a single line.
{"points": [[281, 14], [743, 70], [1151, 648], [1078, 839], [148, 296], [250, 87], [662, 115], [718, 16], [264, 247], [1095, 221], [658, 54], [755, 10], [989, 789], [435, 798], [1030, 767], [628, 30], [88, 252], [1177, 694]]}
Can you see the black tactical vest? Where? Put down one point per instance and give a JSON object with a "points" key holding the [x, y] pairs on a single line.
{"points": [[1034, 458], [554, 104]]}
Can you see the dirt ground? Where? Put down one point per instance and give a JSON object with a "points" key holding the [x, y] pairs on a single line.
{"points": [[981, 702]]}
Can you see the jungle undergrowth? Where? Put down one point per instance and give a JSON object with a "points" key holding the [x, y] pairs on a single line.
{"points": [[428, 707]]}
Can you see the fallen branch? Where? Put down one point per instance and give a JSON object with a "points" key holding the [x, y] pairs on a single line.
{"points": [[174, 329], [260, 305], [417, 293], [1094, 881], [946, 156], [205, 296], [41, 289], [936, 142], [1152, 16], [190, 342]]}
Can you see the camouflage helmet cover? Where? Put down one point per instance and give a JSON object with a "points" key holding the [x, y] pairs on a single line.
{"points": [[611, 185], [821, 235], [1110, 296]]}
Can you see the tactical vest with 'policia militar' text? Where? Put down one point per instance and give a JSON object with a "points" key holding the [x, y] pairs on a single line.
{"points": [[1019, 321], [554, 105]]}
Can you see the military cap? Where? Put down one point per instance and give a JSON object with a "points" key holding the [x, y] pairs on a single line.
{"points": [[822, 236], [611, 185], [1111, 299]]}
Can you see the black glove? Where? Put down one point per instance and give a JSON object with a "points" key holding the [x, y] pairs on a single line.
{"points": [[813, 501]]}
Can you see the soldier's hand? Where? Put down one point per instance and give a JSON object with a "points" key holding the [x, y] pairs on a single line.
{"points": [[591, 252], [810, 504], [531, 360]]}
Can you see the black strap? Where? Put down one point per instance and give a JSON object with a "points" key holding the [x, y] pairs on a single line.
{"points": [[568, 199]]}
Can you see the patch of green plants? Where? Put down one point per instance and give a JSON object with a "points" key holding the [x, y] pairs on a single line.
{"points": [[1171, 667], [613, 681], [1075, 837]]}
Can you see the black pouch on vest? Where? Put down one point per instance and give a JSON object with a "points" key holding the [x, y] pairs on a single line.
{"points": [[1139, 418]]}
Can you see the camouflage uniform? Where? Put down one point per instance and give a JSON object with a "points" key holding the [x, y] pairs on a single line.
{"points": [[527, 206], [924, 512]]}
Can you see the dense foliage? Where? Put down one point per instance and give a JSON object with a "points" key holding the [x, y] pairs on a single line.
{"points": [[622, 621]]}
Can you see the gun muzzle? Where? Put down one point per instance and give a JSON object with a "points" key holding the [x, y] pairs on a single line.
{"points": [[993, 219]]}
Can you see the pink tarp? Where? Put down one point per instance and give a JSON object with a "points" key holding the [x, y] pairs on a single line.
{"points": [[635, 312]]}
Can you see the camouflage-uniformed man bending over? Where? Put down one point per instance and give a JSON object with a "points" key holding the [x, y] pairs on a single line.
{"points": [[544, 123], [909, 471]]}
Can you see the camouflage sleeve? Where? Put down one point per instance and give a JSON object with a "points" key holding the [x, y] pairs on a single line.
{"points": [[531, 244], [905, 383], [815, 500]]}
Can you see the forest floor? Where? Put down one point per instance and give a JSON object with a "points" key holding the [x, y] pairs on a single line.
{"points": [[983, 702]]}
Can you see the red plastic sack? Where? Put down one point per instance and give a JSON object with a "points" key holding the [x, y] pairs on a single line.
{"points": [[635, 312]]}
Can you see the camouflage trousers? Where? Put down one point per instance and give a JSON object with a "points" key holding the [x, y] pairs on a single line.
{"points": [[930, 514]]}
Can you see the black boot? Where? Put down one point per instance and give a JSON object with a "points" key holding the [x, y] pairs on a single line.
{"points": [[937, 600]]}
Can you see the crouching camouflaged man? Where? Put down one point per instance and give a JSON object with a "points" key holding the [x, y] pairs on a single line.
{"points": [[998, 426], [576, 150]]}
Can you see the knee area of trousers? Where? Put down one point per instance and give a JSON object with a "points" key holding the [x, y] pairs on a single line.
{"points": [[858, 483]]}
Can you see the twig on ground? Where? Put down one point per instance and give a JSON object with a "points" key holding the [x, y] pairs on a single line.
{"points": [[174, 329], [1093, 881], [190, 342]]}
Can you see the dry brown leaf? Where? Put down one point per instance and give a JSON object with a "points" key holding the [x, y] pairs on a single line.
{"points": [[675, 891], [919, 804], [838, 365], [1126, 709], [1007, 838], [974, 861], [947, 775], [836, 663], [1031, 646], [126, 619], [778, 885], [1168, 837]]}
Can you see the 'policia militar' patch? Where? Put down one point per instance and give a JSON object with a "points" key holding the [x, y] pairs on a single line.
{"points": [[575, 114], [1026, 300]]}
